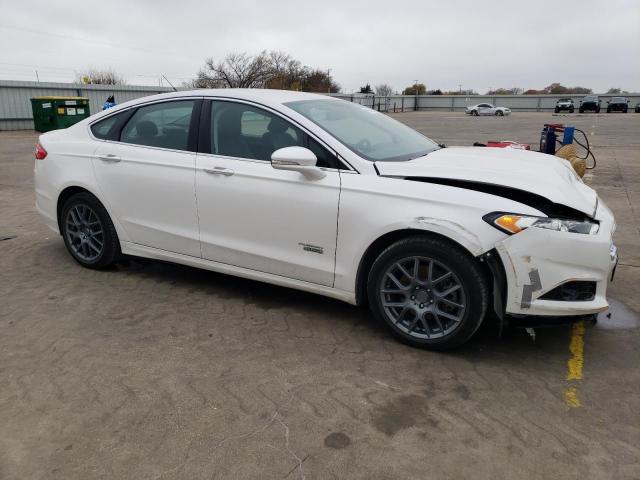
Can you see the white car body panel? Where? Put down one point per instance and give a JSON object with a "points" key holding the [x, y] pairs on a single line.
{"points": [[159, 182], [256, 222], [274, 211], [544, 175]]}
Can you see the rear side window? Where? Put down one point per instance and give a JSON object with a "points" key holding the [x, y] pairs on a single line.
{"points": [[103, 128], [164, 125]]}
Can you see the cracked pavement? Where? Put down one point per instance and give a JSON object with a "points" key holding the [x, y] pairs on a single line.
{"points": [[159, 371]]}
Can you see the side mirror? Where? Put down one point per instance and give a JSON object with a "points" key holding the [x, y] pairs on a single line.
{"points": [[297, 159]]}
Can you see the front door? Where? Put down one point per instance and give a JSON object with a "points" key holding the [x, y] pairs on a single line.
{"points": [[254, 216]]}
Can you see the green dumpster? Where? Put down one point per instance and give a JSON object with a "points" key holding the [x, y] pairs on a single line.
{"points": [[52, 113]]}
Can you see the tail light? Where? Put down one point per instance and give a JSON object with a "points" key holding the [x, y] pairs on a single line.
{"points": [[40, 152]]}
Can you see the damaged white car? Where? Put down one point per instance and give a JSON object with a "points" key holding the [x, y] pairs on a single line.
{"points": [[318, 194]]}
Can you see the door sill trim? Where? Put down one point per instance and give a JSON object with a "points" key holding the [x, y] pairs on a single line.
{"points": [[138, 250]]}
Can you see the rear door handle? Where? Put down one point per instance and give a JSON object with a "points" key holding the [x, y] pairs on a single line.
{"points": [[109, 158], [227, 172]]}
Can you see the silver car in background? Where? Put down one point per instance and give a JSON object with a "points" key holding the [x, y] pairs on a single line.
{"points": [[487, 109]]}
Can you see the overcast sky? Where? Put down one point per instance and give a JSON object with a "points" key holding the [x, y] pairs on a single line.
{"points": [[443, 44]]}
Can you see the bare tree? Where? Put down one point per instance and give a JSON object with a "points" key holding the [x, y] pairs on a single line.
{"points": [[238, 70], [273, 69], [96, 76], [384, 89]]}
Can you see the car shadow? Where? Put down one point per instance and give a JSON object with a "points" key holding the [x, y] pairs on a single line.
{"points": [[490, 340]]}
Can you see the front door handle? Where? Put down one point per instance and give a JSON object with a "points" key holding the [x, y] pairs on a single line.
{"points": [[227, 172], [109, 158]]}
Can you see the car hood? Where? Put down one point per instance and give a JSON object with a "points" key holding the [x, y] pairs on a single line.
{"points": [[541, 174]]}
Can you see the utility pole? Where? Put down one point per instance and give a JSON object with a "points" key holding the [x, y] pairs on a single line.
{"points": [[328, 80], [460, 88], [37, 76], [415, 91]]}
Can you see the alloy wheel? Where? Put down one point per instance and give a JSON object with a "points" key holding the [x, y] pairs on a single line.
{"points": [[84, 233], [423, 297]]}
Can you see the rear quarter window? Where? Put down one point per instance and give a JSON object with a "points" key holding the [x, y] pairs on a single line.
{"points": [[103, 128]]}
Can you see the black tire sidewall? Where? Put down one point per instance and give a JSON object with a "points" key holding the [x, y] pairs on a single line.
{"points": [[111, 245], [455, 258]]}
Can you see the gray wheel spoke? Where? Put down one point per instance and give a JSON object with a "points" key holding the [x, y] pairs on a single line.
{"points": [[438, 321], [96, 248], [442, 277], [448, 291], [394, 304], [396, 281], [450, 302], [394, 290], [413, 324], [430, 272], [404, 271], [447, 315], [425, 325]]}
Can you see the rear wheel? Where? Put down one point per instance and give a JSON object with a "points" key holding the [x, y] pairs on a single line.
{"points": [[571, 110], [428, 292], [557, 110], [499, 113], [598, 110], [88, 231]]}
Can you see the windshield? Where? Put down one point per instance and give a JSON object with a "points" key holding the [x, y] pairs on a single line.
{"points": [[590, 99], [370, 134], [618, 100], [565, 100]]}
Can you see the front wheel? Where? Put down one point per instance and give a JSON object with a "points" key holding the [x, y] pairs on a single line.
{"points": [[557, 110], [88, 232], [474, 113], [598, 110], [571, 110], [430, 293], [499, 113]]}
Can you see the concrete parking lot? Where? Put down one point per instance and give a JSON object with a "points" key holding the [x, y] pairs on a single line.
{"points": [[158, 371]]}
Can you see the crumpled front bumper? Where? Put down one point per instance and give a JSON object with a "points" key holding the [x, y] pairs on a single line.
{"points": [[537, 260]]}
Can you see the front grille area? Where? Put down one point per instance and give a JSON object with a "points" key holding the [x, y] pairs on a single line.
{"points": [[577, 291]]}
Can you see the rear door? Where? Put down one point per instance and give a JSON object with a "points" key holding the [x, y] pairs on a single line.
{"points": [[254, 216], [146, 171]]}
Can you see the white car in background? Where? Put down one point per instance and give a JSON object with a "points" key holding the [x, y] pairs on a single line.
{"points": [[487, 109], [323, 195]]}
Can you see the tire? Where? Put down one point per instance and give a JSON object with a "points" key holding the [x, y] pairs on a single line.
{"points": [[414, 309], [625, 110], [581, 110], [598, 110], [571, 110], [557, 110], [608, 110], [499, 113], [88, 232]]}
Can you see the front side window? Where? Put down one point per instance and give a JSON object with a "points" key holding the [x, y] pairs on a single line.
{"points": [[244, 131], [372, 135], [164, 125]]}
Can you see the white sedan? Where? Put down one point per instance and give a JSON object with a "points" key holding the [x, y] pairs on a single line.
{"points": [[487, 109], [318, 194]]}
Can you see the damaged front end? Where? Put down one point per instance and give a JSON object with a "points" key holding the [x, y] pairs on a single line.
{"points": [[558, 272]]}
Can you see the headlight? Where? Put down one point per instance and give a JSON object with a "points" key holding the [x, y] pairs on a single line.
{"points": [[513, 223]]}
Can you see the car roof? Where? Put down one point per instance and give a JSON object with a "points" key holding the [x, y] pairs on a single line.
{"points": [[263, 96], [254, 94]]}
